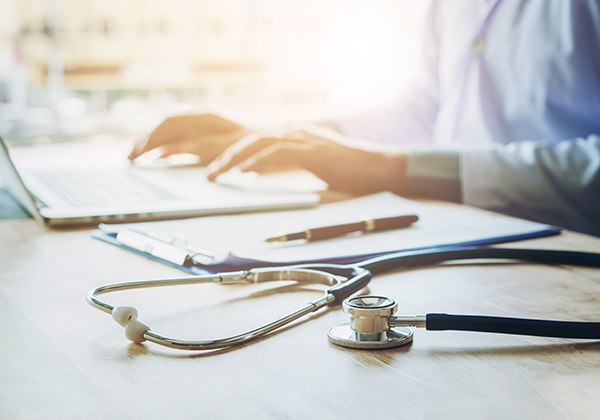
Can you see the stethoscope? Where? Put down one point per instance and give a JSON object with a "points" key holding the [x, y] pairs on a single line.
{"points": [[372, 322]]}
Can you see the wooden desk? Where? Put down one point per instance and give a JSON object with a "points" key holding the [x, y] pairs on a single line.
{"points": [[62, 359]]}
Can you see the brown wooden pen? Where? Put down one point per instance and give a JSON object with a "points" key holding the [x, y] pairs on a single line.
{"points": [[365, 226]]}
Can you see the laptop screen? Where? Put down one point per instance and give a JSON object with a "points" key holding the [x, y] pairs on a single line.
{"points": [[15, 185]]}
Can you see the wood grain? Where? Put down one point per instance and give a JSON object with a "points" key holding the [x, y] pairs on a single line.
{"points": [[61, 359]]}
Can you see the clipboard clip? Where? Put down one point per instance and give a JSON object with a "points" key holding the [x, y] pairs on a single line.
{"points": [[176, 249]]}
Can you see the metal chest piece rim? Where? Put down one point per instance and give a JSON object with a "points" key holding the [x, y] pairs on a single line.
{"points": [[368, 327]]}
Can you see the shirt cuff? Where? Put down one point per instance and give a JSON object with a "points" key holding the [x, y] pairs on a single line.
{"points": [[434, 174]]}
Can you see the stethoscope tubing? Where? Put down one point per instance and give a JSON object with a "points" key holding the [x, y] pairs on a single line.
{"points": [[516, 326], [425, 257], [358, 276]]}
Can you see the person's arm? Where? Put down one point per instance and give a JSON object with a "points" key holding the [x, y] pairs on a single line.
{"points": [[553, 183], [432, 173], [557, 184]]}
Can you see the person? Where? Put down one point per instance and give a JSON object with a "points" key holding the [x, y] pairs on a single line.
{"points": [[505, 116]]}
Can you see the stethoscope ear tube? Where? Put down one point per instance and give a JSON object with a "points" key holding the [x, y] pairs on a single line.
{"points": [[340, 292], [519, 326]]}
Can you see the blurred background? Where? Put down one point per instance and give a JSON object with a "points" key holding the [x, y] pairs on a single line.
{"points": [[78, 68]]}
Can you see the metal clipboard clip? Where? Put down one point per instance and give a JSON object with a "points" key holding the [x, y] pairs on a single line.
{"points": [[176, 250]]}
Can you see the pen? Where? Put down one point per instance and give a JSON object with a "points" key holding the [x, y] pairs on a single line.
{"points": [[365, 225]]}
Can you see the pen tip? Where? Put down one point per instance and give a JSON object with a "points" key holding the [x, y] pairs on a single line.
{"points": [[280, 238]]}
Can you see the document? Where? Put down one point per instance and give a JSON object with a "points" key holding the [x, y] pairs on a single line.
{"points": [[245, 235]]}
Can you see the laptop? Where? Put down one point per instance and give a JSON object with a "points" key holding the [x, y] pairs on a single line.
{"points": [[62, 197]]}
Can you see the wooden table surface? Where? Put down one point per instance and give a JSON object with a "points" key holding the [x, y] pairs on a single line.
{"points": [[62, 359]]}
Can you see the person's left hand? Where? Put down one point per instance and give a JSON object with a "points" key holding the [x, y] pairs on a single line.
{"points": [[345, 164]]}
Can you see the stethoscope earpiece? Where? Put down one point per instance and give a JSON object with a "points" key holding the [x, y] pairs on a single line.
{"points": [[370, 326], [126, 316]]}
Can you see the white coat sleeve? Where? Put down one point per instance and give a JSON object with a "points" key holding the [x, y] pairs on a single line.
{"points": [[555, 183]]}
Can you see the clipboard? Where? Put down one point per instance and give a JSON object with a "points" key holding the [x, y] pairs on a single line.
{"points": [[236, 242]]}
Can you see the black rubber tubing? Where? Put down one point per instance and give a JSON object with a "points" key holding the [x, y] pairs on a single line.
{"points": [[344, 290], [519, 326], [422, 258]]}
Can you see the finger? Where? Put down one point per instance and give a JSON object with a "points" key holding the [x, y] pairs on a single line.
{"points": [[206, 147], [165, 134], [194, 147], [276, 157], [138, 146], [238, 153], [175, 149], [189, 127], [170, 130]]}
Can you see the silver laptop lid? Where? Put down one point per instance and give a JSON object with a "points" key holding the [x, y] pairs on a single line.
{"points": [[14, 184]]}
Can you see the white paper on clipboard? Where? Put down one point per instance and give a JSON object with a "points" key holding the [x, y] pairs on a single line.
{"points": [[244, 235]]}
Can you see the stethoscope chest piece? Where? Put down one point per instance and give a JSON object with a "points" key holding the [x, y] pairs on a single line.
{"points": [[369, 326]]}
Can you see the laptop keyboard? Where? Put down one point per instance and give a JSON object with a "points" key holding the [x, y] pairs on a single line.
{"points": [[97, 187]]}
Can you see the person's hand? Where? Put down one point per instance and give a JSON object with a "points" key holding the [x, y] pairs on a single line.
{"points": [[204, 135], [345, 164]]}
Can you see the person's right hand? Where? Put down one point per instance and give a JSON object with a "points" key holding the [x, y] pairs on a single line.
{"points": [[345, 164], [204, 135]]}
